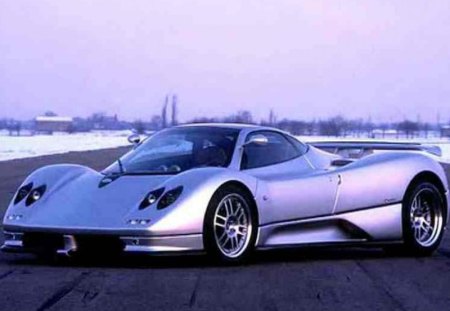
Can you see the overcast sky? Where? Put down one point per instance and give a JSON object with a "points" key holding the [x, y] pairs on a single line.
{"points": [[305, 59]]}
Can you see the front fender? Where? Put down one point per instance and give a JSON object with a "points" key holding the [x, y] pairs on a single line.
{"points": [[53, 177], [186, 215]]}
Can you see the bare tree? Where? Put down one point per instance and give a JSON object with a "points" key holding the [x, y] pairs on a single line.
{"points": [[139, 127], [164, 112], [205, 120], [335, 126], [272, 118], [384, 127], [310, 127], [368, 127], [242, 116], [294, 127], [426, 128], [174, 110], [155, 122], [14, 126], [408, 127], [3, 123]]}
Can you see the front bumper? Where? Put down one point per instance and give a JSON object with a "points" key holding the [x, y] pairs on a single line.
{"points": [[68, 244]]}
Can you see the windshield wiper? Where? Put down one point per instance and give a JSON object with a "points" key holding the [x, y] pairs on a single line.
{"points": [[121, 168]]}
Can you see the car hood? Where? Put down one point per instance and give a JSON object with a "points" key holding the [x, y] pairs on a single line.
{"points": [[77, 201]]}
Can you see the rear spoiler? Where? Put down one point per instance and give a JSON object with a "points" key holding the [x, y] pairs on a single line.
{"points": [[357, 149], [364, 146]]}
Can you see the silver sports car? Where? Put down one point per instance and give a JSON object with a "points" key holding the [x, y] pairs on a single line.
{"points": [[229, 190]]}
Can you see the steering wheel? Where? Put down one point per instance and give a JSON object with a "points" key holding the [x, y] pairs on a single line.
{"points": [[163, 168], [174, 168]]}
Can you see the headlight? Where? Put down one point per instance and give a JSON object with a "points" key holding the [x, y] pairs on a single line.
{"points": [[23, 192], [169, 197], [35, 195], [151, 198]]}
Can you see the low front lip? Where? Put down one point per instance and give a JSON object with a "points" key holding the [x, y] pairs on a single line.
{"points": [[131, 243], [141, 231], [122, 231]]}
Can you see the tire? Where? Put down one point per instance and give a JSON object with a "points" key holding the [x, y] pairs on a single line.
{"points": [[230, 226], [423, 216]]}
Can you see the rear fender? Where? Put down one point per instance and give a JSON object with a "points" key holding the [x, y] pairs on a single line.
{"points": [[382, 179]]}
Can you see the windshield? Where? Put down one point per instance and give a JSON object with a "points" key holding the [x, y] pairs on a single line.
{"points": [[179, 149]]}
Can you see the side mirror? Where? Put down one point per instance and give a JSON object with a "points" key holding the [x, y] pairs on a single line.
{"points": [[134, 139], [257, 139]]}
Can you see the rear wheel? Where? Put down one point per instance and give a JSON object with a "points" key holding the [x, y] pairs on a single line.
{"points": [[423, 219], [230, 225]]}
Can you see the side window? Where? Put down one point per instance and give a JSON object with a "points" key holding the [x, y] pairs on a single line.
{"points": [[301, 147], [277, 149]]}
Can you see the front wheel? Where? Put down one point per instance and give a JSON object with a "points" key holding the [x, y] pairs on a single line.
{"points": [[423, 219], [230, 225]]}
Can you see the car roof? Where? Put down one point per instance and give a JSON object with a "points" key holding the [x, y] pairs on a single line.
{"points": [[239, 126], [242, 127]]}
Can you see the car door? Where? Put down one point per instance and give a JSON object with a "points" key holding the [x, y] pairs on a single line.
{"points": [[289, 188]]}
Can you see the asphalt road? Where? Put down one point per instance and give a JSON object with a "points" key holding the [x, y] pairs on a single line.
{"points": [[314, 279]]}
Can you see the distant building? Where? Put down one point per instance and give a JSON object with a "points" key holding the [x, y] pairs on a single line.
{"points": [[50, 124], [384, 133], [445, 131]]}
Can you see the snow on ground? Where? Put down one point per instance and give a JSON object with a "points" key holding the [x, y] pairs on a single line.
{"points": [[445, 151], [13, 147]]}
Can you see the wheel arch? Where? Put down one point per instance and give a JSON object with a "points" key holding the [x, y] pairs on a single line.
{"points": [[245, 188], [433, 178]]}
